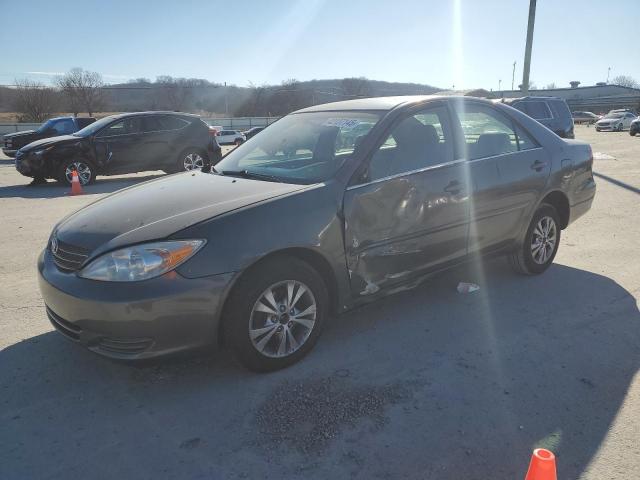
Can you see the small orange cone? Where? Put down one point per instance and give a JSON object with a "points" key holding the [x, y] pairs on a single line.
{"points": [[76, 188], [542, 466]]}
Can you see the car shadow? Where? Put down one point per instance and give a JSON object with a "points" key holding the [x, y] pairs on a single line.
{"points": [[53, 189], [427, 383]]}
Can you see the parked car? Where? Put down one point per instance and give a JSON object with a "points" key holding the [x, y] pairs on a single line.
{"points": [[585, 117], [634, 127], [261, 251], [125, 143], [552, 112], [615, 122], [230, 137], [253, 131], [51, 128]]}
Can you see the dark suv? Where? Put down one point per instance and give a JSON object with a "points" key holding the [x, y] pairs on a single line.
{"points": [[552, 112], [125, 143], [51, 128]]}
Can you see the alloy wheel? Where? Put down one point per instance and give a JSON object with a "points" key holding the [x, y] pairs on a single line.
{"points": [[84, 172], [193, 161], [282, 319], [543, 241]]}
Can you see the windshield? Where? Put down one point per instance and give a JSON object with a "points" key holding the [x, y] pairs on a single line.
{"points": [[301, 148], [615, 115], [45, 126], [94, 127]]}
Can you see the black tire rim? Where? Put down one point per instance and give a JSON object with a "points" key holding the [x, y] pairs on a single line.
{"points": [[83, 169]]}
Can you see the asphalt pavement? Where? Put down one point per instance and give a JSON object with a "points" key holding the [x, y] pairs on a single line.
{"points": [[428, 383]]}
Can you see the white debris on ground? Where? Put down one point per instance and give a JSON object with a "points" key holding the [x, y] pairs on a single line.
{"points": [[464, 287]]}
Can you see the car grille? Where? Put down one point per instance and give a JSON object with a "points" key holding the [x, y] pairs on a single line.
{"points": [[124, 346], [68, 257], [604, 124], [68, 329]]}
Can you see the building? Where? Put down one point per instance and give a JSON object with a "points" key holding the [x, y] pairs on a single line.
{"points": [[598, 98]]}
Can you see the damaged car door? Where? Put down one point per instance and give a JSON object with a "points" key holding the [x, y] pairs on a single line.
{"points": [[407, 210]]}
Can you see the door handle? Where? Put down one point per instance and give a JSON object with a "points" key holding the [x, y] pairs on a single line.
{"points": [[453, 188], [538, 165]]}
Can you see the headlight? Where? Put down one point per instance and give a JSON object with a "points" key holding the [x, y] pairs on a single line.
{"points": [[141, 262]]}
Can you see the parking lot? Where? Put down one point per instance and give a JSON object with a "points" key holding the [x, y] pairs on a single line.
{"points": [[428, 383]]}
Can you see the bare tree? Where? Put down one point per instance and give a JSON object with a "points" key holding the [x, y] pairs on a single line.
{"points": [[174, 92], [551, 86], [83, 90], [34, 101], [625, 81], [356, 87]]}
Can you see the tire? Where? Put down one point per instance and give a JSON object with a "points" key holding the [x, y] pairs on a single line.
{"points": [[86, 171], [191, 159], [523, 260], [632, 132], [620, 128], [238, 142], [250, 309]]}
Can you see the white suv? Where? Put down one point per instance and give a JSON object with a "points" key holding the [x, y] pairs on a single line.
{"points": [[230, 137]]}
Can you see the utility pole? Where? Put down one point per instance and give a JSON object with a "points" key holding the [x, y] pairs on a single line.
{"points": [[513, 75], [608, 72], [499, 84], [527, 50]]}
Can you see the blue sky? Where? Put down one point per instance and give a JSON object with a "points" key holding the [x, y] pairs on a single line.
{"points": [[466, 43]]}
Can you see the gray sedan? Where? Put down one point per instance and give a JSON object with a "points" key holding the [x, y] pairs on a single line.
{"points": [[334, 206]]}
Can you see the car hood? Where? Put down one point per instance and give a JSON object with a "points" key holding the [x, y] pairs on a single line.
{"points": [[607, 120], [159, 208], [47, 142], [19, 134]]}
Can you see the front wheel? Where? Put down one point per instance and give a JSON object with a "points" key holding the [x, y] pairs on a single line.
{"points": [[540, 243], [632, 133], [238, 142], [276, 314], [86, 172]]}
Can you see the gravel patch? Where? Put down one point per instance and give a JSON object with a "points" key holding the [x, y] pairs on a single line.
{"points": [[308, 415]]}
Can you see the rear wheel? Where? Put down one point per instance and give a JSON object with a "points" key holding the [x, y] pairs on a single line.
{"points": [[276, 314], [620, 127], [86, 172], [540, 243], [191, 159]]}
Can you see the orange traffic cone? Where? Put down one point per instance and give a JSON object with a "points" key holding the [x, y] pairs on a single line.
{"points": [[542, 466], [76, 188]]}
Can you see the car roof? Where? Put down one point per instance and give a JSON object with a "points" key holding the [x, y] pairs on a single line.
{"points": [[154, 112], [531, 98], [374, 103]]}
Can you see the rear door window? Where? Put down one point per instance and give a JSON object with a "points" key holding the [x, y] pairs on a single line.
{"points": [[152, 124], [173, 123], [486, 131]]}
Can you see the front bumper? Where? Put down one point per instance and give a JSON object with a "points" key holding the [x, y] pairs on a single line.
{"points": [[30, 165], [606, 128], [137, 320], [9, 152]]}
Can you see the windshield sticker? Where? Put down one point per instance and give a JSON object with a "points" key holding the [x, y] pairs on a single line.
{"points": [[342, 123]]}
